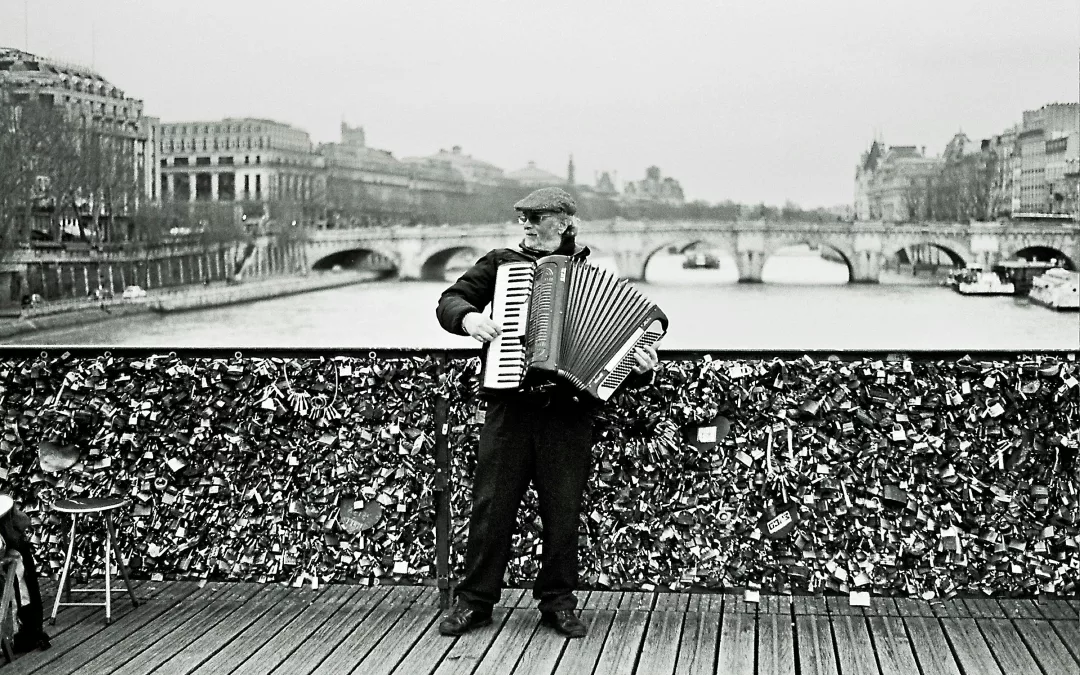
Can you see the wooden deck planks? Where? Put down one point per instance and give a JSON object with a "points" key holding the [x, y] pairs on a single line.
{"points": [[882, 606], [623, 645], [153, 653], [775, 644], [660, 648], [816, 653], [912, 607], [581, 655], [355, 644], [956, 608], [1019, 609], [454, 656], [90, 637], [807, 604], [511, 642], [1008, 648], [603, 600], [855, 653], [984, 608], [775, 604], [891, 645], [839, 606], [1055, 608], [310, 652], [199, 650], [1069, 632], [132, 642], [671, 602], [274, 651], [542, 653], [1047, 647], [417, 619], [698, 644], [970, 648], [430, 647], [930, 647], [250, 628], [738, 641], [252, 638]]}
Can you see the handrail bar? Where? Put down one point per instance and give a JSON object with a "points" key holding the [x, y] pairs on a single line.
{"points": [[24, 351]]}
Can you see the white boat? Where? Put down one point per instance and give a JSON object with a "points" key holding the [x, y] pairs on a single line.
{"points": [[979, 279], [1056, 288]]}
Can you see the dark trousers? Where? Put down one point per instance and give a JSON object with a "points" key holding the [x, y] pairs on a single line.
{"points": [[31, 614], [538, 438]]}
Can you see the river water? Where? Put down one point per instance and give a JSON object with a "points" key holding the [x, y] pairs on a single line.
{"points": [[803, 304]]}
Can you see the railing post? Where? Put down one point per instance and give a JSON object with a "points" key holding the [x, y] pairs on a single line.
{"points": [[442, 500]]}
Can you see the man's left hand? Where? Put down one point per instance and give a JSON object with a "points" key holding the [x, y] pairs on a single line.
{"points": [[646, 359]]}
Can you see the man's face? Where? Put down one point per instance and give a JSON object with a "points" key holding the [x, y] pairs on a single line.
{"points": [[543, 229]]}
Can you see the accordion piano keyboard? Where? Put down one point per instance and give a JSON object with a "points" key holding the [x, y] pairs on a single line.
{"points": [[505, 362]]}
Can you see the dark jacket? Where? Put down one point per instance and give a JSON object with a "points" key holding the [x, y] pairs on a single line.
{"points": [[475, 290]]}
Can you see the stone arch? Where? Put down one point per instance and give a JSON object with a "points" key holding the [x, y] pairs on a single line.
{"points": [[846, 252], [959, 253], [1044, 253], [433, 263], [356, 258], [681, 245]]}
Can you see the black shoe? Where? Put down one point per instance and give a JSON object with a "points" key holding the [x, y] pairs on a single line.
{"points": [[462, 620], [564, 621], [23, 642]]}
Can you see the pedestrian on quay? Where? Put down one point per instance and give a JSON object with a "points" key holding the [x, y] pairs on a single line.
{"points": [[539, 432]]}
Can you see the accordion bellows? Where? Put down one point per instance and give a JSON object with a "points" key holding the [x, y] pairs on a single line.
{"points": [[570, 320]]}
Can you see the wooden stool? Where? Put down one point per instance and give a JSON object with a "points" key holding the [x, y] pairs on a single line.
{"points": [[90, 506]]}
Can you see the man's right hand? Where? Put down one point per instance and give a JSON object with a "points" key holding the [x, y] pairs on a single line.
{"points": [[480, 327]]}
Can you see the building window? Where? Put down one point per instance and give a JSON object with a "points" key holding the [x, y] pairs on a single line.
{"points": [[247, 159], [258, 159], [202, 161], [225, 160], [180, 161], [164, 163]]}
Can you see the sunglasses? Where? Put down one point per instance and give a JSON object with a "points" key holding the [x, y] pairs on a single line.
{"points": [[534, 217]]}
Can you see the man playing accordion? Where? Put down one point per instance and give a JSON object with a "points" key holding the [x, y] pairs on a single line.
{"points": [[541, 434]]}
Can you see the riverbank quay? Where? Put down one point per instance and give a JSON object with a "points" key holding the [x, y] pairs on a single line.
{"points": [[928, 475], [65, 313], [184, 627], [172, 300]]}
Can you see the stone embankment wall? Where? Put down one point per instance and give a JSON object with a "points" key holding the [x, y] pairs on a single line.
{"points": [[75, 272], [901, 476]]}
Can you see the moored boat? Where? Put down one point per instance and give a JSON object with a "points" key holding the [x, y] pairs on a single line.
{"points": [[1056, 288], [979, 279], [700, 260]]}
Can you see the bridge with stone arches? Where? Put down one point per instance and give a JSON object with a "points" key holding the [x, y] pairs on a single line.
{"points": [[422, 252]]}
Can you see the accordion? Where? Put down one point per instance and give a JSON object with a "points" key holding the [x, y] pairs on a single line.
{"points": [[568, 320]]}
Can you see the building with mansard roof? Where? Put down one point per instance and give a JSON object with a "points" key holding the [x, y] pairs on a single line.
{"points": [[478, 174], [233, 159], [374, 186], [534, 176], [87, 98]]}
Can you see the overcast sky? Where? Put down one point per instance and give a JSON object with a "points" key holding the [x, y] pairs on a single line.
{"points": [[749, 100]]}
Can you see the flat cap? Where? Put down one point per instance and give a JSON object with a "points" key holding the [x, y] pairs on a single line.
{"points": [[548, 199]]}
